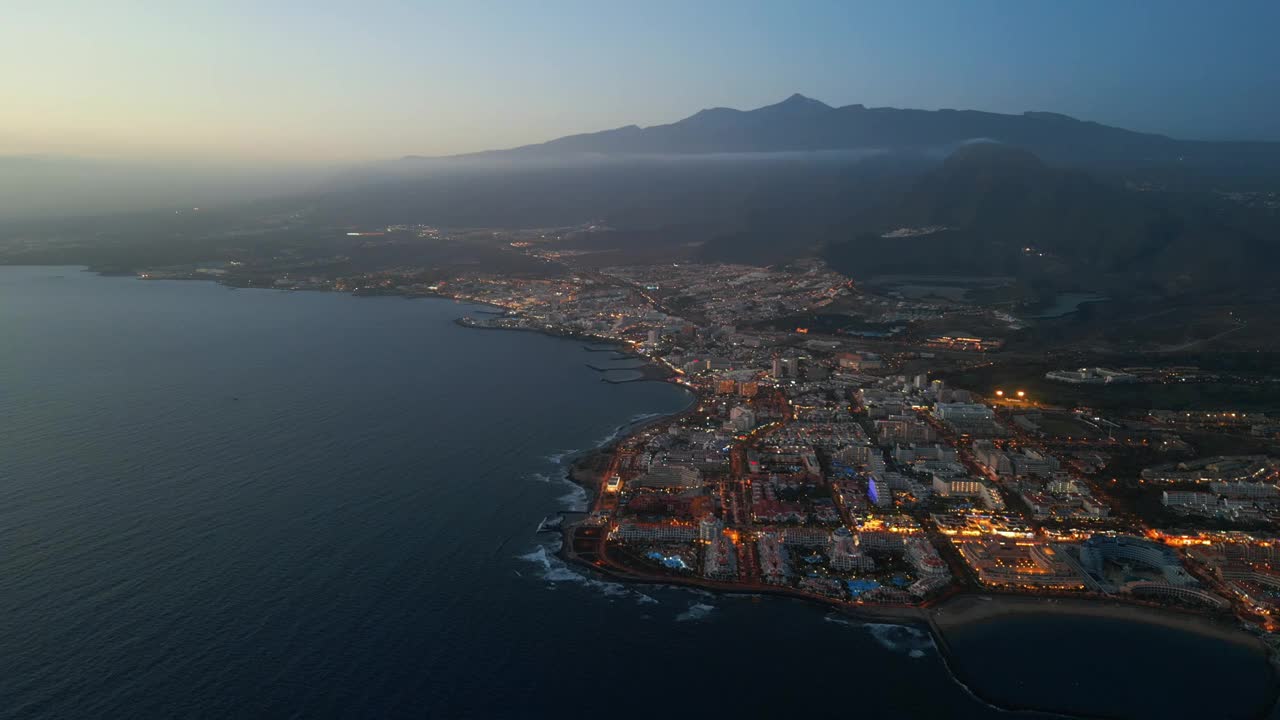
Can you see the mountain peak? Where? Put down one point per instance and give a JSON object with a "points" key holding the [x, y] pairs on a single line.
{"points": [[798, 98], [798, 101]]}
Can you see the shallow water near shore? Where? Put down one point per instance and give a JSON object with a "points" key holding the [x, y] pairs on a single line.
{"points": [[1018, 652], [253, 503]]}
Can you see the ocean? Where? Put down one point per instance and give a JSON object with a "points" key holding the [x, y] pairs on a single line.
{"points": [[254, 503]]}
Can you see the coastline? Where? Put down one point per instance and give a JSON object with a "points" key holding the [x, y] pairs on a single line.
{"points": [[971, 608], [613, 434], [650, 370], [961, 609], [963, 612], [958, 610], [664, 373], [964, 609]]}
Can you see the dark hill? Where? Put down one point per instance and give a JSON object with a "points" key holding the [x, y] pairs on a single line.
{"points": [[998, 210]]}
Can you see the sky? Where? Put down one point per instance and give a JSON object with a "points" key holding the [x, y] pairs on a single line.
{"points": [[322, 82]]}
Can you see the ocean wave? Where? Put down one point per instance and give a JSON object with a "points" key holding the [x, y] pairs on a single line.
{"points": [[558, 458], [838, 620], [556, 571], [611, 437], [904, 639], [696, 611], [575, 500]]}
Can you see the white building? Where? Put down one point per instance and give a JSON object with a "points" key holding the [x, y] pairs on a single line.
{"points": [[721, 559], [963, 412], [925, 559], [743, 419], [846, 554], [654, 532]]}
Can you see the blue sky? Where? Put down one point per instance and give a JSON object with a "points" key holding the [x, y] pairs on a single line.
{"points": [[382, 78]]}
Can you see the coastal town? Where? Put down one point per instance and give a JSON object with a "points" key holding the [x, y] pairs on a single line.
{"points": [[890, 360], [810, 465], [836, 449]]}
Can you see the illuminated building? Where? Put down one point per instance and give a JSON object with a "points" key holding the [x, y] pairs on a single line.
{"points": [[979, 524], [1121, 549], [743, 419], [1249, 567], [804, 536], [957, 487], [668, 477], [1176, 498], [791, 367], [886, 534], [720, 561], [846, 554], [710, 528], [1091, 376], [1019, 564], [773, 556], [963, 412], [924, 558], [654, 532], [1168, 591], [878, 491]]}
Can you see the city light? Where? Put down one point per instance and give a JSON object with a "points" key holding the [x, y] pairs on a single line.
{"points": [[916, 466]]}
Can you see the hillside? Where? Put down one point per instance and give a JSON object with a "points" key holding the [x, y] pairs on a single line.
{"points": [[998, 210]]}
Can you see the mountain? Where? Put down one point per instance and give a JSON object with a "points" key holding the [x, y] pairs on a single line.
{"points": [[801, 124], [992, 209]]}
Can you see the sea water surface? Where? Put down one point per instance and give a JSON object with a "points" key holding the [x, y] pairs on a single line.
{"points": [[250, 503]]}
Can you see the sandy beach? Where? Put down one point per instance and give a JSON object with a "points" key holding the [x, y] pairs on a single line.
{"points": [[970, 608]]}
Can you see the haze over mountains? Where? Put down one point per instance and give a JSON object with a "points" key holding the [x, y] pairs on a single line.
{"points": [[1045, 203], [1054, 201], [801, 124], [1039, 196], [718, 151]]}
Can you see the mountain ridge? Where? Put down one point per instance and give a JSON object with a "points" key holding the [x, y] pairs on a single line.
{"points": [[803, 124]]}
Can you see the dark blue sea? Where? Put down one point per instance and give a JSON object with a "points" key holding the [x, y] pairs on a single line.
{"points": [[260, 504]]}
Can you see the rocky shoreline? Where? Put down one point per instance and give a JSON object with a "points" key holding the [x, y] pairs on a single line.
{"points": [[962, 609]]}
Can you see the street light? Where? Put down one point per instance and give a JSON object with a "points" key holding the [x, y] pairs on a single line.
{"points": [[999, 393], [1022, 394]]}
